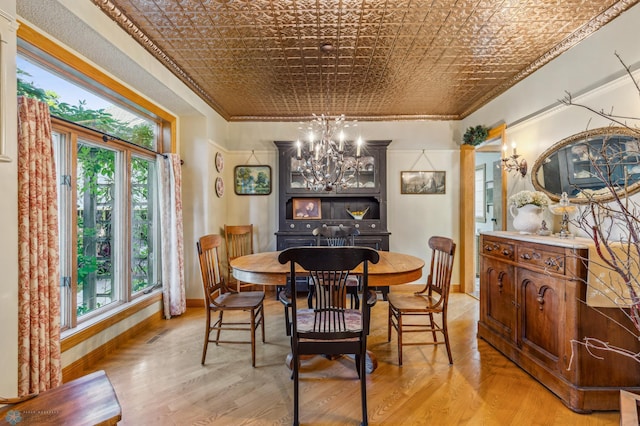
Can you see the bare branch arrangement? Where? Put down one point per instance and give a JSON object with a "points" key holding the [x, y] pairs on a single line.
{"points": [[611, 220]]}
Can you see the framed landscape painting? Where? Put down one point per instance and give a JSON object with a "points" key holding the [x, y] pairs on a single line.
{"points": [[425, 182], [252, 180]]}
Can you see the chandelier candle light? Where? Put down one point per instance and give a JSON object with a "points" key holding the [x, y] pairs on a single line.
{"points": [[324, 164]]}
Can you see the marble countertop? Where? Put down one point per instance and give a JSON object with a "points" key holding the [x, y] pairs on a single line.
{"points": [[575, 243]]}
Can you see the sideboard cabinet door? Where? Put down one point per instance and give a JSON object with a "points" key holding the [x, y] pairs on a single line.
{"points": [[499, 311], [541, 317]]}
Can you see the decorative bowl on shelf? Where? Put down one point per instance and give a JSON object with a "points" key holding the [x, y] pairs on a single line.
{"points": [[358, 215]]}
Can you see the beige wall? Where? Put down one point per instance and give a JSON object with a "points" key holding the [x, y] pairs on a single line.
{"points": [[8, 206]]}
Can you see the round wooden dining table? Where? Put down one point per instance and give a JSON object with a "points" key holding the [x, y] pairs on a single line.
{"points": [[265, 269]]}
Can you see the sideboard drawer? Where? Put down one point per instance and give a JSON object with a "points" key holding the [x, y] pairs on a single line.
{"points": [[541, 257], [497, 248]]}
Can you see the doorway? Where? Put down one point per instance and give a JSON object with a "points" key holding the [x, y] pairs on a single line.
{"points": [[488, 200], [482, 169]]}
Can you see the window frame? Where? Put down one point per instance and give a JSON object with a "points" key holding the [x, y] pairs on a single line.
{"points": [[75, 134], [36, 46]]}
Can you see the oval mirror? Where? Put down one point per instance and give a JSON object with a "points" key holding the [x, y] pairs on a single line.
{"points": [[582, 164]]}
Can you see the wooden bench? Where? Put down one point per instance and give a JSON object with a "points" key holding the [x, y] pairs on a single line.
{"points": [[89, 400]]}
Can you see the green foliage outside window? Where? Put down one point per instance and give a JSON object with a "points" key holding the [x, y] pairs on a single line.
{"points": [[96, 177], [98, 119]]}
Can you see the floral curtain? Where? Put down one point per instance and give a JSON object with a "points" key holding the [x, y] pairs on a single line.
{"points": [[39, 366], [172, 257]]}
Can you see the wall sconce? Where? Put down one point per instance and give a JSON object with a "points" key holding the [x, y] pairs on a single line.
{"points": [[514, 163]]}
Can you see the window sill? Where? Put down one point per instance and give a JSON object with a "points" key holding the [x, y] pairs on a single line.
{"points": [[87, 329]]}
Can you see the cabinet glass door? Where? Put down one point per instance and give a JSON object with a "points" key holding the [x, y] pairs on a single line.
{"points": [[296, 180], [364, 176]]}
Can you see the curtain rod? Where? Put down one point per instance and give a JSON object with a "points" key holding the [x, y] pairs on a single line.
{"points": [[106, 137]]}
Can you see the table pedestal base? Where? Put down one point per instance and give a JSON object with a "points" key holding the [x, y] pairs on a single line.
{"points": [[371, 362]]}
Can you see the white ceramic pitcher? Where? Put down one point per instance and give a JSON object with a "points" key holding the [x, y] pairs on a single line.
{"points": [[526, 219]]}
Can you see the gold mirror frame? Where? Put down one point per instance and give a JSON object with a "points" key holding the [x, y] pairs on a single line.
{"points": [[583, 137]]}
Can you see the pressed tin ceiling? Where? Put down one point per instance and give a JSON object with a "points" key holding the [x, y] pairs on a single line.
{"points": [[390, 59]]}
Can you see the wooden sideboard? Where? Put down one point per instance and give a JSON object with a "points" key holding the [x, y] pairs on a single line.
{"points": [[532, 309]]}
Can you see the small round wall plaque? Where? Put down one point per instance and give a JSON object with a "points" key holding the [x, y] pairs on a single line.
{"points": [[219, 162], [219, 187]]}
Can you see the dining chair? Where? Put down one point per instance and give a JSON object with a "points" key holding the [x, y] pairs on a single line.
{"points": [[239, 242], [339, 236], [332, 236], [219, 298], [431, 300], [329, 327]]}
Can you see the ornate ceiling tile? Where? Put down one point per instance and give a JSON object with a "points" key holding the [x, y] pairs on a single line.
{"points": [[261, 59]]}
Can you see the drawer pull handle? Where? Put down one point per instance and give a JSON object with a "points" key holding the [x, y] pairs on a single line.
{"points": [[506, 252], [533, 255], [491, 247], [553, 263]]}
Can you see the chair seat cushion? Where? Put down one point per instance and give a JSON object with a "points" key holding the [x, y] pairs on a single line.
{"points": [[352, 281], [244, 300], [412, 302], [307, 318]]}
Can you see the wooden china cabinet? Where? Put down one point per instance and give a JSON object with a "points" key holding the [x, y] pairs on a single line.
{"points": [[533, 309], [367, 189]]}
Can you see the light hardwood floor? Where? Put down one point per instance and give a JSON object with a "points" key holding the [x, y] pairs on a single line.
{"points": [[159, 380]]}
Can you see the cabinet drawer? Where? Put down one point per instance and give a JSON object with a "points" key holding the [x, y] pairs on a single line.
{"points": [[542, 258], [301, 225], [497, 248]]}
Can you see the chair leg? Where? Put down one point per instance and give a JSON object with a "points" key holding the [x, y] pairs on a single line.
{"points": [[253, 338], [399, 320], [355, 298], [296, 419], [262, 321], [446, 338], [312, 290], [219, 327], [363, 386], [389, 325], [207, 330], [287, 321], [433, 328]]}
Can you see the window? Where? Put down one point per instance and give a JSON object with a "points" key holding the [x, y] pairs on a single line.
{"points": [[106, 164], [144, 225]]}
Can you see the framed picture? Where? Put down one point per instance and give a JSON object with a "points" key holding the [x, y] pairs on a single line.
{"points": [[422, 182], [252, 180], [307, 208]]}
